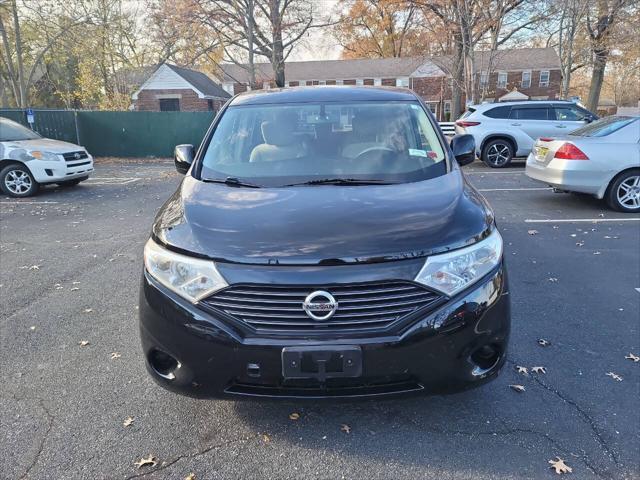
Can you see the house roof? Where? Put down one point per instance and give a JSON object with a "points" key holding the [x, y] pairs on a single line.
{"points": [[516, 59], [200, 81]]}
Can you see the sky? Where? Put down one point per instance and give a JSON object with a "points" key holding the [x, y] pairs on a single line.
{"points": [[318, 44]]}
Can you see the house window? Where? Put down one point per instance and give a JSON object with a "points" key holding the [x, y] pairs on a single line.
{"points": [[377, 82], [339, 82], [322, 82], [169, 104], [286, 84], [484, 79], [526, 79], [433, 106], [402, 82], [502, 79], [544, 78], [302, 83]]}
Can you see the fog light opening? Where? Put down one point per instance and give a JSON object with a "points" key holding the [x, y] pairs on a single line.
{"points": [[485, 358], [163, 364]]}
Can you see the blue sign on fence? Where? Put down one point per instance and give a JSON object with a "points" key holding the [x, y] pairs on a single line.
{"points": [[30, 116]]}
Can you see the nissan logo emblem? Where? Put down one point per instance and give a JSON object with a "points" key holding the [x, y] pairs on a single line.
{"points": [[320, 305], [77, 156]]}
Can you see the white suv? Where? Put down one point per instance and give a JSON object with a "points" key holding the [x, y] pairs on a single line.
{"points": [[506, 130]]}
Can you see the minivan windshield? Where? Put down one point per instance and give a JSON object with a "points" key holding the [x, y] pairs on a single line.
{"points": [[324, 142]]}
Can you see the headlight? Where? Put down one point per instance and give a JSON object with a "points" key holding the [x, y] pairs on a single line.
{"points": [[453, 271], [191, 278], [49, 156]]}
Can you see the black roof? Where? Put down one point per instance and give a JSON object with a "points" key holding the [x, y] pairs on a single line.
{"points": [[201, 82], [332, 93]]}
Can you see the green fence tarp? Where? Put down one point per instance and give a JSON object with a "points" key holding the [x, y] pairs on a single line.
{"points": [[120, 134]]}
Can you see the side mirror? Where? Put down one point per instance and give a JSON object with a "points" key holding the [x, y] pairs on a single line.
{"points": [[183, 157], [589, 118], [464, 148]]}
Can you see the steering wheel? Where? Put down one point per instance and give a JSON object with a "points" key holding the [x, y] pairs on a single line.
{"points": [[370, 150]]}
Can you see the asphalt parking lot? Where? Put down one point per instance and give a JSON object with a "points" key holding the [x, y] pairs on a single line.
{"points": [[70, 263]]}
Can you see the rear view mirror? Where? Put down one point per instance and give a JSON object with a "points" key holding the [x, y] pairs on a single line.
{"points": [[183, 157], [464, 148]]}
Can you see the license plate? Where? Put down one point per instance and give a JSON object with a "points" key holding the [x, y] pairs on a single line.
{"points": [[541, 153], [321, 363]]}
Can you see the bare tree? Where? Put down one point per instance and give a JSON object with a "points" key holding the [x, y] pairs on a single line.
{"points": [[600, 32], [267, 28]]}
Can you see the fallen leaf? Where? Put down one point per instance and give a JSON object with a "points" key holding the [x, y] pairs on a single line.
{"points": [[538, 370], [631, 356], [553, 279], [294, 416], [522, 370], [265, 438], [615, 376], [115, 355], [574, 235], [127, 421], [579, 244], [191, 476], [73, 289], [559, 466], [34, 267], [143, 462], [88, 310], [543, 343], [596, 253], [33, 328], [345, 428], [532, 232], [83, 343], [517, 388]]}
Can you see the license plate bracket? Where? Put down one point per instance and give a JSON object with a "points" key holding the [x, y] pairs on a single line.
{"points": [[321, 363]]}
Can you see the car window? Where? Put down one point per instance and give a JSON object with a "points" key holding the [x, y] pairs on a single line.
{"points": [[276, 145], [605, 126], [468, 112], [12, 131], [569, 114], [530, 113], [498, 112]]}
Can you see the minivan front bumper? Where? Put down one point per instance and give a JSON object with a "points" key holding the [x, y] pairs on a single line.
{"points": [[459, 345]]}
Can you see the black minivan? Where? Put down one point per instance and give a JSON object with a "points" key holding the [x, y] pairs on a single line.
{"points": [[324, 243]]}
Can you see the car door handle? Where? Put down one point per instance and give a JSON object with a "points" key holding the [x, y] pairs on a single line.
{"points": [[516, 124], [561, 126]]}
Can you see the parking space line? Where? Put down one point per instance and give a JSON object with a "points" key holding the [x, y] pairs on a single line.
{"points": [[573, 220], [19, 202], [111, 180], [493, 173], [513, 189]]}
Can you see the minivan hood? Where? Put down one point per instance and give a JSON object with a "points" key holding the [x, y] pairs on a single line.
{"points": [[322, 225]]}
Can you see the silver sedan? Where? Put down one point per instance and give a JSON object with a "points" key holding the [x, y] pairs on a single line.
{"points": [[601, 159]]}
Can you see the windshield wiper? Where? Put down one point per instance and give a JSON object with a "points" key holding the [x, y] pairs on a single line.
{"points": [[341, 181], [231, 181]]}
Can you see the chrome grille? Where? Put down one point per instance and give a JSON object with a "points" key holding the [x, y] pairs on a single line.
{"points": [[75, 156], [367, 306]]}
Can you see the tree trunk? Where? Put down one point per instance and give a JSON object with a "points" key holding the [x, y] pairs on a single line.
{"points": [[597, 78], [277, 50], [250, 29], [18, 41], [457, 76]]}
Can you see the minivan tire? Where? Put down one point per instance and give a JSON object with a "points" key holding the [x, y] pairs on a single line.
{"points": [[620, 186], [498, 153], [16, 181]]}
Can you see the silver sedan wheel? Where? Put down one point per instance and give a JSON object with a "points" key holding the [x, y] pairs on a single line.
{"points": [[498, 154], [628, 193], [17, 182]]}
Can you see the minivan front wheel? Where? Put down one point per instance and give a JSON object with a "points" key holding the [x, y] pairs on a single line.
{"points": [[624, 193], [497, 153], [16, 181]]}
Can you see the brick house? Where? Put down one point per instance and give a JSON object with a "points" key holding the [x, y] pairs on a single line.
{"points": [[171, 88], [534, 72]]}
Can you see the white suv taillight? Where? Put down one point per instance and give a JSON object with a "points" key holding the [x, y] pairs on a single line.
{"points": [[466, 123]]}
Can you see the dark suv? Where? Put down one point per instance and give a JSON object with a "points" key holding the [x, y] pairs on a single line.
{"points": [[324, 243]]}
